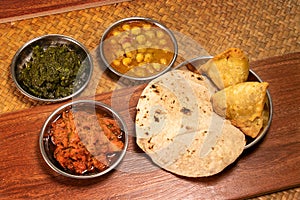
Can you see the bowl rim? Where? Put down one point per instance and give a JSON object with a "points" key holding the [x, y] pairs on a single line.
{"points": [[137, 18], [269, 102], [270, 105], [64, 107], [64, 37]]}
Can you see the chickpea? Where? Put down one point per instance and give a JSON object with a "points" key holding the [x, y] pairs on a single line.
{"points": [[155, 47], [156, 66], [125, 34], [139, 57], [116, 33], [160, 34], [126, 61], [141, 39], [136, 30], [142, 64], [126, 45], [162, 42], [129, 54], [126, 27], [113, 41], [140, 72], [163, 61], [141, 48], [148, 44], [148, 57], [147, 26], [123, 38], [150, 34], [116, 63], [119, 53], [131, 72], [150, 69], [167, 50]]}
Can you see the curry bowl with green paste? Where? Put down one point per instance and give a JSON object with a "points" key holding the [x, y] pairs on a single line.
{"points": [[52, 68]]}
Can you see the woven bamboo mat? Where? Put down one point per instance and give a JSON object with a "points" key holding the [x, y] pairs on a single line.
{"points": [[261, 28]]}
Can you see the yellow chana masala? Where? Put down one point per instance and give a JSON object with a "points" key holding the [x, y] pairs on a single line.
{"points": [[138, 48]]}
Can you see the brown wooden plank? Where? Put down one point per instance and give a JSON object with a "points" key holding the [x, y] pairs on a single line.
{"points": [[271, 166], [13, 10]]}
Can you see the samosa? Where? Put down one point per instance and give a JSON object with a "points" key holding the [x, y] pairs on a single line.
{"points": [[227, 68], [243, 105]]}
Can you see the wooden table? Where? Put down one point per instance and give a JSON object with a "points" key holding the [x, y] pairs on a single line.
{"points": [[18, 10], [271, 166]]}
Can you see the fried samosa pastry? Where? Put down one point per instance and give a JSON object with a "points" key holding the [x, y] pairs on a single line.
{"points": [[243, 105], [227, 68]]}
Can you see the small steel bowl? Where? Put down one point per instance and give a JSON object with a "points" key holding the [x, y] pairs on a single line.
{"points": [[194, 64], [24, 55], [47, 147], [132, 38]]}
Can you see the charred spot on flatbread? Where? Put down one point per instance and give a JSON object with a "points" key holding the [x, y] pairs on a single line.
{"points": [[197, 76], [186, 111]]}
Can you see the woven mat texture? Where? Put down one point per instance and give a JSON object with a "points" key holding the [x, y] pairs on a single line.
{"points": [[261, 28]]}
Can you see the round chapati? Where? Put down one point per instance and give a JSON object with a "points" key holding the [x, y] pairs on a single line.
{"points": [[177, 128]]}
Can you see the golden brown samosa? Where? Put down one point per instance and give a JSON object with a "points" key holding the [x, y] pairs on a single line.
{"points": [[243, 105], [227, 68]]}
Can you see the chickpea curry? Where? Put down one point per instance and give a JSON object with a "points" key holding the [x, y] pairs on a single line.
{"points": [[138, 48], [85, 142]]}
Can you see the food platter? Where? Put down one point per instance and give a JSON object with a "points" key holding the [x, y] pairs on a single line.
{"points": [[213, 87], [20, 149]]}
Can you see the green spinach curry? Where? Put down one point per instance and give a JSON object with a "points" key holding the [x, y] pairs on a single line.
{"points": [[52, 73]]}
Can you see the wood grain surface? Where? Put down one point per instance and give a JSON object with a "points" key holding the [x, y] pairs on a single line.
{"points": [[13, 10], [272, 165]]}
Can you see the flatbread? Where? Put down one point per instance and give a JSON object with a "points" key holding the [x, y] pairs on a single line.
{"points": [[177, 128]]}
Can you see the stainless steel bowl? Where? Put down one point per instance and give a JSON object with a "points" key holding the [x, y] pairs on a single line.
{"points": [[194, 64], [47, 147], [24, 54], [132, 19]]}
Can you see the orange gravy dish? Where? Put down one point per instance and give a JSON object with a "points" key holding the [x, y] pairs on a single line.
{"points": [[86, 142], [138, 48]]}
